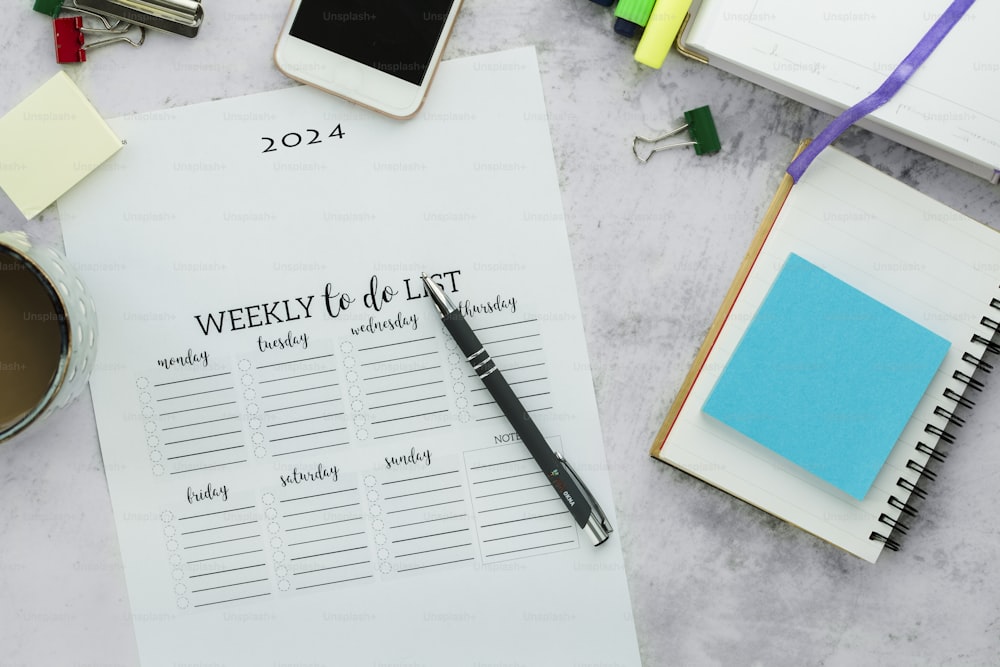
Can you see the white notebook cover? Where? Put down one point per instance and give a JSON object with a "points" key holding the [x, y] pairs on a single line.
{"points": [[831, 55]]}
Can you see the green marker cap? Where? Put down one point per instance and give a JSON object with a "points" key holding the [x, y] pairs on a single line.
{"points": [[635, 11]]}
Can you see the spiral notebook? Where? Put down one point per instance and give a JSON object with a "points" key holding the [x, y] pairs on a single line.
{"points": [[934, 268]]}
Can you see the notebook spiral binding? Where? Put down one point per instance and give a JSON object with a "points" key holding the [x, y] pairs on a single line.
{"points": [[959, 401]]}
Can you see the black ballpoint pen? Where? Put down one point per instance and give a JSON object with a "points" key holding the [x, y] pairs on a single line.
{"points": [[571, 489]]}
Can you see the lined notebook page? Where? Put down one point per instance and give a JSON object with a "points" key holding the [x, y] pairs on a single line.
{"points": [[833, 54], [926, 261]]}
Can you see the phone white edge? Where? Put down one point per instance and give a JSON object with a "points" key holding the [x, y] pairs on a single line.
{"points": [[351, 80]]}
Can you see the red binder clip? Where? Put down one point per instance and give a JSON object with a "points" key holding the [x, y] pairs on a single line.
{"points": [[69, 35]]}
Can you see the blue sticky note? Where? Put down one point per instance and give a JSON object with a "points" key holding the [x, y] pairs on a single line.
{"points": [[826, 376]]}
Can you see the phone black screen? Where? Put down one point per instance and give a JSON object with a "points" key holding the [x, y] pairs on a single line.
{"points": [[395, 36]]}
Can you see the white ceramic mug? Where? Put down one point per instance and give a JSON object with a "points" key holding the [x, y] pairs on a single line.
{"points": [[48, 333]]}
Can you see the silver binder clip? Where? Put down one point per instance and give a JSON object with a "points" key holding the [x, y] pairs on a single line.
{"points": [[71, 6], [181, 17]]}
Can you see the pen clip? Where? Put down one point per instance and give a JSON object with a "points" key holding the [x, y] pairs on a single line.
{"points": [[595, 507]]}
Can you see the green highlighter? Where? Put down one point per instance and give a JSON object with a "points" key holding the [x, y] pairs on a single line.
{"points": [[632, 15]]}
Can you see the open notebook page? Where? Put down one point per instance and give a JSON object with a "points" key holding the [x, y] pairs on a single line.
{"points": [[833, 54], [926, 261]]}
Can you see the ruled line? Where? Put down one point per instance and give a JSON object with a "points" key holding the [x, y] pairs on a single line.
{"points": [[532, 532], [328, 523], [295, 361], [209, 544], [421, 567], [246, 597], [198, 516], [295, 377], [325, 509], [389, 375], [197, 393], [417, 430], [210, 421], [316, 495], [527, 518], [229, 525], [417, 493], [411, 479], [200, 407], [202, 377], [217, 465], [299, 391], [409, 386], [402, 342], [311, 449], [543, 546], [418, 553], [502, 463], [392, 359], [340, 581]]}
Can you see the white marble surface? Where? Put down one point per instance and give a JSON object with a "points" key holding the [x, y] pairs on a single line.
{"points": [[713, 581]]}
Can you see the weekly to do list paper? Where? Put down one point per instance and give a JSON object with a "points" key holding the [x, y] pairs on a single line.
{"points": [[303, 467]]}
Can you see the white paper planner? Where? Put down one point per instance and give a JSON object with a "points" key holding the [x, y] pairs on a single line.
{"points": [[303, 467]]}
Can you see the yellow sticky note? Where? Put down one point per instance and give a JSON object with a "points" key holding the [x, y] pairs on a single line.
{"points": [[49, 142]]}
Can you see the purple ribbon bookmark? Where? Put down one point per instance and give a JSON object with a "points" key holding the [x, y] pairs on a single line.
{"points": [[889, 87]]}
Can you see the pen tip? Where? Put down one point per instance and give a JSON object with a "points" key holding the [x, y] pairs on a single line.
{"points": [[423, 275]]}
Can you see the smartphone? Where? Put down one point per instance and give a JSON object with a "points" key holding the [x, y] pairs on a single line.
{"points": [[378, 53]]}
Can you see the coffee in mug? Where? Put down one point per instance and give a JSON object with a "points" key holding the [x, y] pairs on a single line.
{"points": [[47, 333]]}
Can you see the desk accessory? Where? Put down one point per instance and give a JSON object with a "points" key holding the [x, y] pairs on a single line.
{"points": [[925, 261], [55, 138], [658, 20], [383, 59], [701, 128], [631, 16], [831, 54], [664, 23], [182, 17], [571, 489], [179, 17], [826, 376], [55, 8], [48, 332], [68, 34]]}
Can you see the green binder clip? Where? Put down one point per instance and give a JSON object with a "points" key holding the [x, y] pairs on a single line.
{"points": [[700, 127]]}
